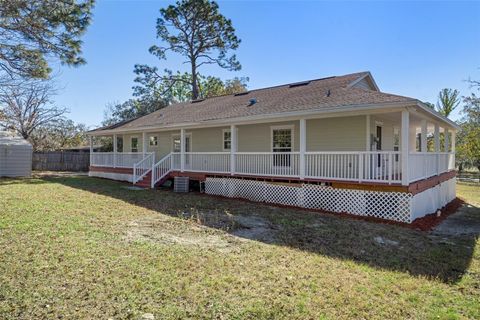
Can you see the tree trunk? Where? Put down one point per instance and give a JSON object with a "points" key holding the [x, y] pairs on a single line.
{"points": [[195, 92]]}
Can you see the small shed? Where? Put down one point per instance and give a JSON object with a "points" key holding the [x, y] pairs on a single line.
{"points": [[15, 156]]}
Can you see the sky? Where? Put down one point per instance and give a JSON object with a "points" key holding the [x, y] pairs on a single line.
{"points": [[411, 48]]}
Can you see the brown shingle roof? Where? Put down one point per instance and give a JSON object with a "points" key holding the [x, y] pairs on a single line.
{"points": [[321, 93]]}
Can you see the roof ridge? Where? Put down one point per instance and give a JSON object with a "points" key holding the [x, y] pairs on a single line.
{"points": [[282, 85]]}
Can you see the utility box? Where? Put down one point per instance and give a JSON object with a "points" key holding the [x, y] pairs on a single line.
{"points": [[181, 184]]}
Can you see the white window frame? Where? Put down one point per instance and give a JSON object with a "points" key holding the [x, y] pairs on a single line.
{"points": [[177, 135], [223, 139], [290, 127], [284, 127], [150, 140], [131, 144]]}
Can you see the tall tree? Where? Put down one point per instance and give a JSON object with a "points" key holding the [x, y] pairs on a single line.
{"points": [[34, 31], [27, 107], [153, 96], [448, 100], [64, 133], [196, 30], [468, 145]]}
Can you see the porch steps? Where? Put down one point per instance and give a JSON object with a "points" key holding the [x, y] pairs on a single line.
{"points": [[146, 181]]}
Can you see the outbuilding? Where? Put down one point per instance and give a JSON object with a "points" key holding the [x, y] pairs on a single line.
{"points": [[15, 156]]}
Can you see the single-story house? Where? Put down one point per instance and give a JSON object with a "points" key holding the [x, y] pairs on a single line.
{"points": [[337, 144]]}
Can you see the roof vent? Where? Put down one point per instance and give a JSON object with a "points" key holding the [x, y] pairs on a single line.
{"points": [[197, 100], [241, 93], [298, 84], [252, 102]]}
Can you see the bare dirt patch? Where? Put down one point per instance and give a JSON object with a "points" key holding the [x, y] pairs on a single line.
{"points": [[463, 222], [210, 230]]}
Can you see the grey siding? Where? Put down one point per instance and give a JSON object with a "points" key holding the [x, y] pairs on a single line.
{"points": [[15, 160], [337, 134]]}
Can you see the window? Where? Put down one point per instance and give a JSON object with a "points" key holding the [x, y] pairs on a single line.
{"points": [[282, 143], [134, 144], [227, 140], [119, 144], [153, 141], [176, 144]]}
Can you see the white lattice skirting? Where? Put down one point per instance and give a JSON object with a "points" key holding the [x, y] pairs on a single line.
{"points": [[397, 206]]}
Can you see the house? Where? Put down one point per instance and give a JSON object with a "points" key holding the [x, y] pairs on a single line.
{"points": [[337, 144]]}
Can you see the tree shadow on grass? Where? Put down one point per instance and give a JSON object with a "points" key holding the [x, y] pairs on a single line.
{"points": [[441, 255]]}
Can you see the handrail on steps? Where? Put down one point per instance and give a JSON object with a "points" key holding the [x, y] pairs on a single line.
{"points": [[161, 169], [143, 167]]}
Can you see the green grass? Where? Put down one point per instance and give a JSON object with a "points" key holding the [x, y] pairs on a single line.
{"points": [[79, 247]]}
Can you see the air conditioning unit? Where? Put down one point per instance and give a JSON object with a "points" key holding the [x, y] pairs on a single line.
{"points": [[181, 184]]}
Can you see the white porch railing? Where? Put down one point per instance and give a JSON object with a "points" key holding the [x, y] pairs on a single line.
{"points": [[283, 164], [116, 160], [214, 162], [428, 164], [362, 166], [161, 169], [141, 168], [377, 166]]}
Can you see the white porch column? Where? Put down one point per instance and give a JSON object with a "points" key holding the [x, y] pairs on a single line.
{"points": [[447, 142], [452, 144], [367, 138], [233, 147], [144, 143], [114, 150], [436, 137], [423, 136], [404, 146], [182, 150], [303, 146], [91, 148]]}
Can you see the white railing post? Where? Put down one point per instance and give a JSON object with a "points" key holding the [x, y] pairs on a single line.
{"points": [[144, 144], [134, 173], [303, 146], [405, 146], [182, 150], [360, 166], [233, 147], [390, 164], [114, 150], [452, 150], [436, 138]]}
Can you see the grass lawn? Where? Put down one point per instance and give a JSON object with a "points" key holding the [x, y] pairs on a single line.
{"points": [[79, 247]]}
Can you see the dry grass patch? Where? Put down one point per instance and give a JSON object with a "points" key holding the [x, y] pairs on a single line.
{"points": [[85, 248]]}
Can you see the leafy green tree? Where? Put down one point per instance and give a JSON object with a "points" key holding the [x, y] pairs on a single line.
{"points": [[128, 110], [448, 100], [468, 139], [430, 105], [34, 31], [154, 96], [62, 134], [196, 30]]}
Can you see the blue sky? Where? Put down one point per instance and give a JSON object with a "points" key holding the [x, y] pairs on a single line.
{"points": [[411, 48]]}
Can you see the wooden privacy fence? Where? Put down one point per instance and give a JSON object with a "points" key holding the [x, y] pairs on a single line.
{"points": [[61, 161]]}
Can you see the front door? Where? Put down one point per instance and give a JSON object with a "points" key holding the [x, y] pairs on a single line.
{"points": [[282, 144], [177, 148]]}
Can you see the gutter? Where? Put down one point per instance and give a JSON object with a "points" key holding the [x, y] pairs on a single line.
{"points": [[312, 113]]}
